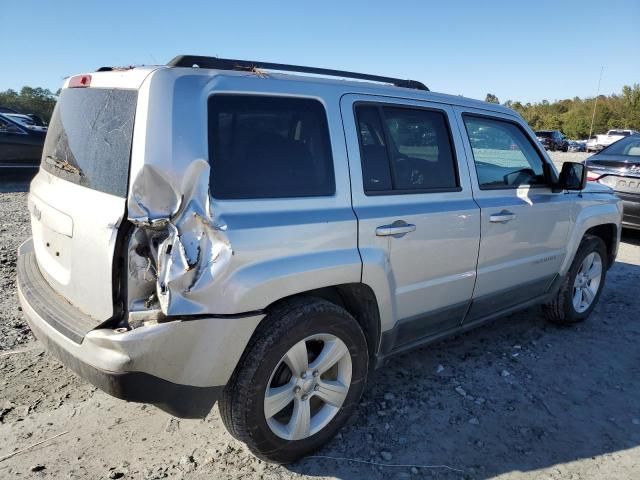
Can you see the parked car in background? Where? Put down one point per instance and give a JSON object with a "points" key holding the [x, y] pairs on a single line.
{"points": [[204, 234], [618, 167], [20, 145], [575, 146], [598, 142], [552, 140], [32, 122]]}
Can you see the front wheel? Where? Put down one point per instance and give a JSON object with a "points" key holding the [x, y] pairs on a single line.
{"points": [[298, 381], [582, 286]]}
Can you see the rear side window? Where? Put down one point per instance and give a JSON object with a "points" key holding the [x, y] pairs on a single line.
{"points": [[503, 154], [269, 147], [89, 138], [405, 150]]}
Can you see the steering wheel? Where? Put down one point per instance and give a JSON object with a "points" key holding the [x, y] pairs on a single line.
{"points": [[521, 175]]}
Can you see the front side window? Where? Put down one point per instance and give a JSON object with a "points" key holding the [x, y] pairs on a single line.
{"points": [[503, 154], [269, 147], [405, 150]]}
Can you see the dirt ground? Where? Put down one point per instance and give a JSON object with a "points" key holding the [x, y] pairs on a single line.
{"points": [[517, 399]]}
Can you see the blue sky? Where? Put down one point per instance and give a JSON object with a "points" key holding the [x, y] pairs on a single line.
{"points": [[518, 50]]}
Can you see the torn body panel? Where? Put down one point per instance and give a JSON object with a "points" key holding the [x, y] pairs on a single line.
{"points": [[202, 255], [176, 246]]}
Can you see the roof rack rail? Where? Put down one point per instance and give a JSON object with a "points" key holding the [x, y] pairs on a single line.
{"points": [[249, 65]]}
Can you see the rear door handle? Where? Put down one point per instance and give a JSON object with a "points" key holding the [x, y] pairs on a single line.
{"points": [[502, 217], [397, 229]]}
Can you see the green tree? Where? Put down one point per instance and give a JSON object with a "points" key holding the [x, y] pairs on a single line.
{"points": [[573, 116], [491, 98], [39, 101]]}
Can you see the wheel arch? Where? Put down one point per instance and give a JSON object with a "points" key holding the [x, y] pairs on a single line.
{"points": [[608, 233], [356, 298], [601, 220]]}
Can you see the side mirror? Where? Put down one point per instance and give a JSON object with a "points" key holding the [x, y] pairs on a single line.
{"points": [[573, 176]]}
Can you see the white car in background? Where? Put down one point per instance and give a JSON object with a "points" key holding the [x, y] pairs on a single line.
{"points": [[598, 142]]}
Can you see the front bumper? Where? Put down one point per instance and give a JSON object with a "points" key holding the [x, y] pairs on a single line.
{"points": [[181, 366]]}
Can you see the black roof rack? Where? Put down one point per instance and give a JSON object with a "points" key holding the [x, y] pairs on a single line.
{"points": [[249, 65]]}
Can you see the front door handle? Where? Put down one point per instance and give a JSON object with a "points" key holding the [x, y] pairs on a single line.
{"points": [[397, 229], [502, 217]]}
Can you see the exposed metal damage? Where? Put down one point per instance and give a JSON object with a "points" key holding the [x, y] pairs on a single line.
{"points": [[176, 249]]}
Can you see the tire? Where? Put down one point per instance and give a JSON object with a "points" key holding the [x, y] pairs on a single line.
{"points": [[263, 368], [561, 309]]}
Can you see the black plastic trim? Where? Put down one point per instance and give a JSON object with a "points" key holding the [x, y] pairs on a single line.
{"points": [[251, 65], [487, 304], [389, 347]]}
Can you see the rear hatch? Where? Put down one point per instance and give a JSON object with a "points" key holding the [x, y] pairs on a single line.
{"points": [[78, 199]]}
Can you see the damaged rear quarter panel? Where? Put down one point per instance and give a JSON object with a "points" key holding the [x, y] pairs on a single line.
{"points": [[192, 254]]}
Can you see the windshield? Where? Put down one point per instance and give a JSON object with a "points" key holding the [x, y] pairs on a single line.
{"points": [[625, 146], [89, 138], [618, 132], [543, 134]]}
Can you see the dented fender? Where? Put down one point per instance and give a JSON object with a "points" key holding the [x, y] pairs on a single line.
{"points": [[190, 249]]}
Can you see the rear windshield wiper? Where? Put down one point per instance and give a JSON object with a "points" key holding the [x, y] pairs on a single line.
{"points": [[63, 165]]}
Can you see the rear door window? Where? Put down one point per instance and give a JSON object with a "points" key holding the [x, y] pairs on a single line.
{"points": [[269, 147], [405, 150], [89, 138]]}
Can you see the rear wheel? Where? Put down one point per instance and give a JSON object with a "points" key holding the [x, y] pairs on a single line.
{"points": [[298, 382], [582, 287]]}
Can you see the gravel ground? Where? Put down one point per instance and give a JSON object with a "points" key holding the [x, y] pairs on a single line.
{"points": [[517, 399]]}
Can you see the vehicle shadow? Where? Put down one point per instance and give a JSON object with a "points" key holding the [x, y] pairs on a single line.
{"points": [[515, 396], [15, 180]]}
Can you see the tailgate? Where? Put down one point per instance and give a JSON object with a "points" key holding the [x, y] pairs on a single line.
{"points": [[78, 199]]}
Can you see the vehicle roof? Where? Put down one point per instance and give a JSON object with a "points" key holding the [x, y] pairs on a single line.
{"points": [[346, 86], [340, 86]]}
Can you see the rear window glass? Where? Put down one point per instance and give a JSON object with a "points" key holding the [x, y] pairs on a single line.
{"points": [[89, 138], [543, 134], [625, 146], [269, 147]]}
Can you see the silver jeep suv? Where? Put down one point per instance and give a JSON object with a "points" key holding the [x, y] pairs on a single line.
{"points": [[211, 230]]}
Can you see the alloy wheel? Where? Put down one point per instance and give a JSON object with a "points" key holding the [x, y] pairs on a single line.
{"points": [[307, 387], [587, 282]]}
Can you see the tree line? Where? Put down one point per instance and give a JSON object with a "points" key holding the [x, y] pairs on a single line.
{"points": [[38, 101], [573, 116], [570, 116]]}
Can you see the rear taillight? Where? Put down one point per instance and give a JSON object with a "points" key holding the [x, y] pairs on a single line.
{"points": [[592, 176], [80, 81]]}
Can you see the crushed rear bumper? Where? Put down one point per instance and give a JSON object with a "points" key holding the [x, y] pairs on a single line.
{"points": [[180, 366]]}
